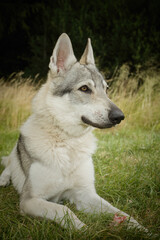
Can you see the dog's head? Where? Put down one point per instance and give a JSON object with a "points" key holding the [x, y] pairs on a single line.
{"points": [[77, 92]]}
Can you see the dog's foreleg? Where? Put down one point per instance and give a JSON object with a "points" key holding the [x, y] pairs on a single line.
{"points": [[5, 177], [93, 203], [6, 174], [59, 213]]}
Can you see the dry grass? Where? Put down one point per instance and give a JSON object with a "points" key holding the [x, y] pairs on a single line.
{"points": [[15, 100], [138, 95]]}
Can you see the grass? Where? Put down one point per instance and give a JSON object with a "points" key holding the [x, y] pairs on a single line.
{"points": [[126, 169]]}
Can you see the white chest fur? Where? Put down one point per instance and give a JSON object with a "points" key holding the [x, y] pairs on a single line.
{"points": [[67, 170], [58, 163]]}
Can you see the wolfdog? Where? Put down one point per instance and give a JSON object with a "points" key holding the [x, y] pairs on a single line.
{"points": [[52, 159]]}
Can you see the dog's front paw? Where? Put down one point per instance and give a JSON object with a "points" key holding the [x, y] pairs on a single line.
{"points": [[4, 181], [78, 225], [131, 222], [5, 178]]}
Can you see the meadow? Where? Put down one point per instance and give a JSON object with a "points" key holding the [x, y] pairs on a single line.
{"points": [[127, 161]]}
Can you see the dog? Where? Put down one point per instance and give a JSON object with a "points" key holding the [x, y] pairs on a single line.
{"points": [[52, 159]]}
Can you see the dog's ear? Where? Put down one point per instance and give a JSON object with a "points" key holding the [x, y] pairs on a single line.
{"points": [[63, 55], [88, 57]]}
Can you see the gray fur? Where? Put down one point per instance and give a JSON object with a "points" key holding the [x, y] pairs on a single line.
{"points": [[23, 155]]}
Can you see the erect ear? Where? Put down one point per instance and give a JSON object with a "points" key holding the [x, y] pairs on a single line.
{"points": [[88, 57], [63, 55]]}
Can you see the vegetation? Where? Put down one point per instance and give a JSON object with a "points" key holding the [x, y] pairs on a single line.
{"points": [[126, 163]]}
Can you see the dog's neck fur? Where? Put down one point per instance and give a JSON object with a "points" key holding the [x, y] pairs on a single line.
{"points": [[52, 127]]}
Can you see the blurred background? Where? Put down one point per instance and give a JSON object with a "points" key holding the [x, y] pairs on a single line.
{"points": [[122, 31]]}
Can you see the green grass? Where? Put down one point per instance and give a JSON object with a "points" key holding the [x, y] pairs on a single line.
{"points": [[127, 174]]}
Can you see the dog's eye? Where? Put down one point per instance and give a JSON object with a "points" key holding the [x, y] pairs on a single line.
{"points": [[85, 88]]}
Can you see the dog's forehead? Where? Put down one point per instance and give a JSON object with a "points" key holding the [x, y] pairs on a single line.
{"points": [[90, 72], [97, 77], [76, 75], [81, 73]]}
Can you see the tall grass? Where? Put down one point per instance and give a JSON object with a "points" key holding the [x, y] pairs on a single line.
{"points": [[15, 100], [138, 95]]}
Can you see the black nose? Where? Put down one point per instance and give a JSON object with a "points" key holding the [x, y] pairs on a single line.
{"points": [[116, 116]]}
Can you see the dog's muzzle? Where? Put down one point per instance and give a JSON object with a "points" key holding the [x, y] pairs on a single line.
{"points": [[115, 117], [96, 125]]}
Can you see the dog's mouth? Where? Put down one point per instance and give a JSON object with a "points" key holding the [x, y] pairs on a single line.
{"points": [[96, 125]]}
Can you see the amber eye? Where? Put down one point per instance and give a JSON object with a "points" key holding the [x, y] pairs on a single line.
{"points": [[85, 89]]}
